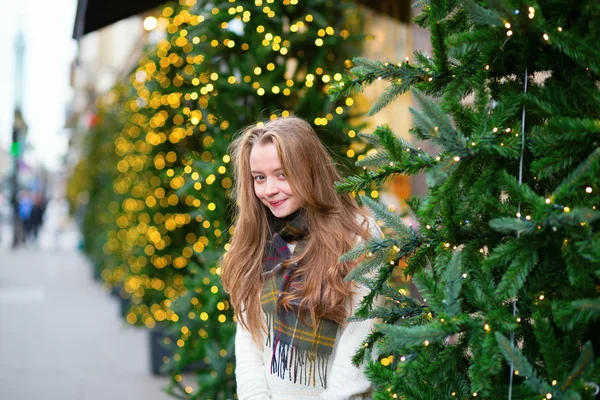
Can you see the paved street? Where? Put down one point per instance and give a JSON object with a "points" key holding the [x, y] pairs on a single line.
{"points": [[61, 337]]}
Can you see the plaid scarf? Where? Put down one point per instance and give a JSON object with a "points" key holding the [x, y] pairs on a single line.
{"points": [[299, 351]]}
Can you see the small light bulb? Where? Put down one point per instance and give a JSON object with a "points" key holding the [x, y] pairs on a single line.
{"points": [[509, 33], [567, 209], [426, 343], [518, 215], [402, 358], [547, 201], [588, 189], [541, 297], [457, 158], [519, 319], [545, 36], [507, 25], [464, 275], [560, 28]]}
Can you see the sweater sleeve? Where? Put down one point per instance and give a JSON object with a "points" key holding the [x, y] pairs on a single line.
{"points": [[249, 370], [345, 381]]}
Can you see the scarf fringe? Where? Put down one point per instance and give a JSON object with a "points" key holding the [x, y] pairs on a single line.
{"points": [[297, 365]]}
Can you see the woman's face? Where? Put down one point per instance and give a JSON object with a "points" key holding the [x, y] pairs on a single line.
{"points": [[270, 183]]}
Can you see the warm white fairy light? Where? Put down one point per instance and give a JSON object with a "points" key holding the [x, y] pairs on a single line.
{"points": [[545, 36], [507, 25], [509, 33], [588, 189]]}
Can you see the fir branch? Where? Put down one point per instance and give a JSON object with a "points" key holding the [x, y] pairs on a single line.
{"points": [[467, 43], [586, 56], [578, 269], [376, 159], [390, 94], [571, 180], [390, 219], [371, 139], [373, 245], [583, 363], [453, 285], [368, 265], [550, 347], [432, 123], [396, 336], [588, 305], [482, 16], [513, 225], [514, 356], [522, 259], [521, 192], [426, 284]]}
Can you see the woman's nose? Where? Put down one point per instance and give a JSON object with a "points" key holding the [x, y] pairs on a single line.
{"points": [[271, 188]]}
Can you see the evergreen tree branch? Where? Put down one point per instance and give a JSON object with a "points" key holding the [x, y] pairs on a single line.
{"points": [[514, 356]]}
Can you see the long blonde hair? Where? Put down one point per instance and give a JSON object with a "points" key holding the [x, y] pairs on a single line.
{"points": [[332, 221]]}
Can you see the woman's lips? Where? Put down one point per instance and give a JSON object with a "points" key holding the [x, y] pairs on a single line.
{"points": [[276, 203]]}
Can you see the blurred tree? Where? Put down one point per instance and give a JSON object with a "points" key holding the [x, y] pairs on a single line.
{"points": [[222, 66]]}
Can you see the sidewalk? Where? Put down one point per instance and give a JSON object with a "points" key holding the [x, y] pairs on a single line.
{"points": [[61, 337]]}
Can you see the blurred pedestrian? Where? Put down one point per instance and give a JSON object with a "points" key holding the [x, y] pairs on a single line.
{"points": [[25, 208], [36, 218]]}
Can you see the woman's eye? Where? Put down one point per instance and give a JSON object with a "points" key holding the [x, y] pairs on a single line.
{"points": [[259, 178], [281, 175]]}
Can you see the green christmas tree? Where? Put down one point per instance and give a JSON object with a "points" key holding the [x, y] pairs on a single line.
{"points": [[506, 255], [222, 66]]}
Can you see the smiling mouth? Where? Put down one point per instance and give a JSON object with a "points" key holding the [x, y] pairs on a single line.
{"points": [[276, 203]]}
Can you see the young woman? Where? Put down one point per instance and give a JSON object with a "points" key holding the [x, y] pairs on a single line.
{"points": [[282, 270]]}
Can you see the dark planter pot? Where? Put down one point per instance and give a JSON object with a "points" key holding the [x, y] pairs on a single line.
{"points": [[159, 350]]}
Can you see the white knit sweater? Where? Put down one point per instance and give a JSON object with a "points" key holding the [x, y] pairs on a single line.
{"points": [[344, 380]]}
